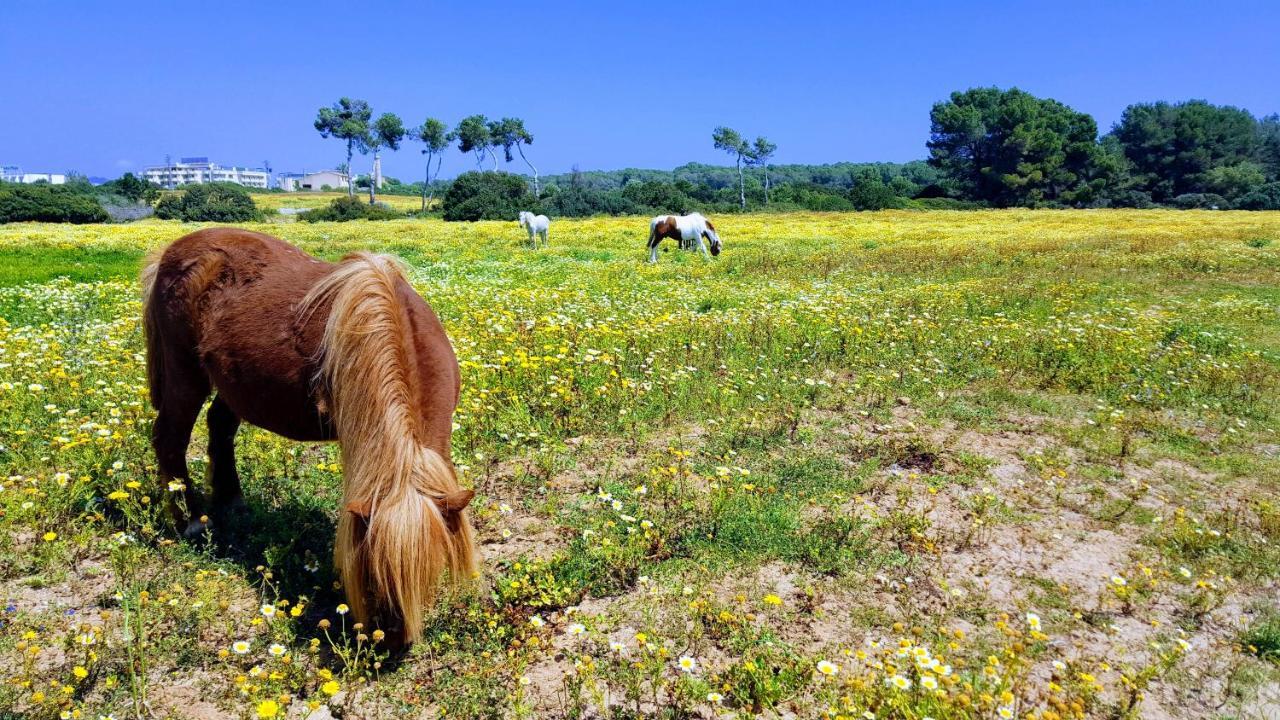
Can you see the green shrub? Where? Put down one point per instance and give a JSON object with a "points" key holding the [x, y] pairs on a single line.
{"points": [[1131, 199], [1266, 197], [583, 201], [870, 193], [658, 196], [825, 203], [1201, 201], [1263, 637], [942, 203], [350, 208], [213, 202], [48, 203], [487, 196]]}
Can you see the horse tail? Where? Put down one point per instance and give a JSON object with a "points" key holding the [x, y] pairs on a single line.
{"points": [[401, 499]]}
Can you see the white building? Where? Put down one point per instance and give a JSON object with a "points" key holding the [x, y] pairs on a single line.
{"points": [[14, 174], [288, 181], [331, 179], [195, 170]]}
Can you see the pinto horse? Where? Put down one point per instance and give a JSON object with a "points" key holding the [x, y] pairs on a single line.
{"points": [[537, 225], [688, 230], [316, 351]]}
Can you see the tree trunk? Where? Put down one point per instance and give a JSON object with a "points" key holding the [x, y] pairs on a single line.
{"points": [[373, 181], [351, 186], [426, 181], [536, 190], [766, 184], [438, 161], [494, 155], [742, 186]]}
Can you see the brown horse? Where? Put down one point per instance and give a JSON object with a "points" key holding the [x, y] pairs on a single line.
{"points": [[316, 351]]}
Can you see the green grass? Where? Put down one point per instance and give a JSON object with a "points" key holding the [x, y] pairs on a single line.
{"points": [[847, 428]]}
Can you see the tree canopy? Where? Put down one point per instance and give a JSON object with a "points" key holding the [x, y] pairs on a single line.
{"points": [[1008, 147], [1174, 149], [347, 120]]}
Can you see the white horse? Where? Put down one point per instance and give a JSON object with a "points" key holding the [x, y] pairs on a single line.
{"points": [[537, 225], [688, 230]]}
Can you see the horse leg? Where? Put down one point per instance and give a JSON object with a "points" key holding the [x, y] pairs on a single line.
{"points": [[703, 247], [223, 480], [654, 239], [184, 393]]}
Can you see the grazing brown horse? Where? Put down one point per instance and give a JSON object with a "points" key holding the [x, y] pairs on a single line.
{"points": [[316, 351]]}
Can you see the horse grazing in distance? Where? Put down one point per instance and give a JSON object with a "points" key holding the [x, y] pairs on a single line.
{"points": [[537, 225], [688, 230], [316, 351]]}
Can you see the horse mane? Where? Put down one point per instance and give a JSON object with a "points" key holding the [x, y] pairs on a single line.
{"points": [[400, 497]]}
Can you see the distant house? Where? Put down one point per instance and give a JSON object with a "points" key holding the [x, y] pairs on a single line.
{"points": [[14, 174], [287, 181], [197, 170], [331, 179]]}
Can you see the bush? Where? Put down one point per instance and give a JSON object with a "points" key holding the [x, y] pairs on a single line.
{"points": [[811, 196], [131, 187], [1131, 199], [487, 196], [48, 203], [658, 196], [1201, 201], [823, 202], [350, 208], [943, 203], [582, 201], [870, 193], [1266, 197], [213, 202]]}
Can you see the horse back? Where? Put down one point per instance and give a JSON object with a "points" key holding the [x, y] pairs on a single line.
{"points": [[224, 301]]}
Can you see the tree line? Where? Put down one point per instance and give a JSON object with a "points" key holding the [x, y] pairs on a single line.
{"points": [[1011, 148], [988, 147], [351, 121]]}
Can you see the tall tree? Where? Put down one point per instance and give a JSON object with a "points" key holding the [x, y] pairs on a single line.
{"points": [[760, 154], [1173, 147], [435, 138], [473, 137], [1269, 146], [731, 142], [386, 132], [347, 120], [1008, 147], [509, 133]]}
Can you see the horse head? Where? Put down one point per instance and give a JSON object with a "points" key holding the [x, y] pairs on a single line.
{"points": [[713, 236]]}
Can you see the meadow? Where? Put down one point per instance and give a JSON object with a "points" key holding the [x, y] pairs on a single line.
{"points": [[271, 203], [997, 464]]}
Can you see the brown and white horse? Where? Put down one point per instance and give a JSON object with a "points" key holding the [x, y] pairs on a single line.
{"points": [[316, 351], [688, 230]]}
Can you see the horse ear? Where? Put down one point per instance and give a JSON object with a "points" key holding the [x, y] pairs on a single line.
{"points": [[360, 508], [456, 501]]}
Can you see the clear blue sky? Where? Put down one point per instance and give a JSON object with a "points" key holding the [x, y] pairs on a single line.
{"points": [[104, 87]]}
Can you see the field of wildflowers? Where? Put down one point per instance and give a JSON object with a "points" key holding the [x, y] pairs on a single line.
{"points": [[271, 203], [1006, 464]]}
